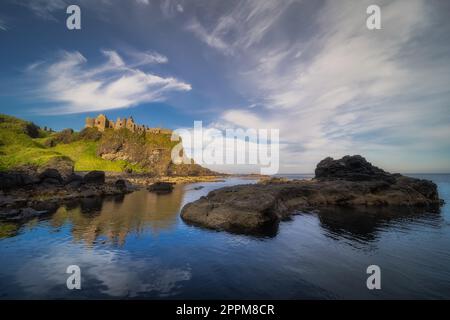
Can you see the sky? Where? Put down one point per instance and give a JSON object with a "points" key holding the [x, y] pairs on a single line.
{"points": [[311, 69]]}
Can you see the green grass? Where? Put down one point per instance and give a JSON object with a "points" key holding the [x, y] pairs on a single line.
{"points": [[23, 143], [17, 148], [83, 153], [160, 140]]}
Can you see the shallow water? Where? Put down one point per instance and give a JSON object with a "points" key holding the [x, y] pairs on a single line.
{"points": [[138, 247]]}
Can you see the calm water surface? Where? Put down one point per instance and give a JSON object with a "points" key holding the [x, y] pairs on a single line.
{"points": [[138, 247]]}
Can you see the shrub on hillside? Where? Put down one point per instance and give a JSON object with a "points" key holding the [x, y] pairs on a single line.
{"points": [[65, 136], [91, 134]]}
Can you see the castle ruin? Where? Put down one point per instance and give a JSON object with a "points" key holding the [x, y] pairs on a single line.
{"points": [[101, 122]]}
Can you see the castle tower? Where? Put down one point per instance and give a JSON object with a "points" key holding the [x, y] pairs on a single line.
{"points": [[120, 123], [101, 122], [130, 124], [89, 123]]}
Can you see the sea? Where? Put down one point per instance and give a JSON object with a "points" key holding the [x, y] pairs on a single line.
{"points": [[137, 247]]}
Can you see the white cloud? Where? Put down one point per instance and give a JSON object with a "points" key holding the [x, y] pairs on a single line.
{"points": [[171, 8], [144, 58], [52, 9], [79, 87], [351, 90], [245, 25], [211, 39]]}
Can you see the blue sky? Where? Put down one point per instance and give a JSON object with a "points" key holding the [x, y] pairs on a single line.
{"points": [[308, 68]]}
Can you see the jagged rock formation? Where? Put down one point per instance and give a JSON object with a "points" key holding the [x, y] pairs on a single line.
{"points": [[348, 182]]}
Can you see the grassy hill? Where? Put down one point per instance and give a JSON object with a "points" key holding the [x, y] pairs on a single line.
{"points": [[83, 153], [19, 144], [24, 144]]}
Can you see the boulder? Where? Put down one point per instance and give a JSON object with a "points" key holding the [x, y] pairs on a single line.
{"points": [[351, 168], [94, 177], [161, 187], [123, 185], [74, 181], [50, 176], [63, 165]]}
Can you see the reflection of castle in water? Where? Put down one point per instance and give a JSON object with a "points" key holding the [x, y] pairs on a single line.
{"points": [[113, 219]]}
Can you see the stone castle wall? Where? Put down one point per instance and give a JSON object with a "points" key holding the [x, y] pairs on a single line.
{"points": [[101, 122]]}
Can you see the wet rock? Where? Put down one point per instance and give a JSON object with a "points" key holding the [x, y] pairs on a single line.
{"points": [[238, 209], [94, 177], [161, 187]]}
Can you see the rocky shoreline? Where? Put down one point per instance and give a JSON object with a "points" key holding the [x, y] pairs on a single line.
{"points": [[25, 195], [350, 182]]}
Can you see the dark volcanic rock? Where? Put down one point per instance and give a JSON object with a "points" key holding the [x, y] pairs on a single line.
{"points": [[248, 208], [351, 168], [73, 177], [24, 202], [13, 180], [123, 185], [95, 177], [64, 166], [50, 176], [74, 181], [161, 187]]}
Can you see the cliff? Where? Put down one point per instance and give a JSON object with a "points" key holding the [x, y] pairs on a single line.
{"points": [[149, 150]]}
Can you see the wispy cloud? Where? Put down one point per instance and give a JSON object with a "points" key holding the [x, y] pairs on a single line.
{"points": [[80, 87], [3, 25], [48, 9], [146, 58], [43, 8], [171, 8], [344, 89], [245, 25], [212, 39], [309, 68]]}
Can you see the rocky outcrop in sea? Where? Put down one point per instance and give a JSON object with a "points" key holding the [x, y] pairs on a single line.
{"points": [[348, 182]]}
